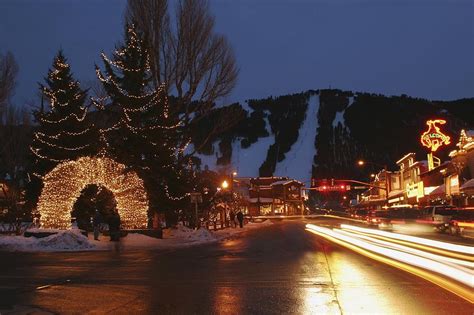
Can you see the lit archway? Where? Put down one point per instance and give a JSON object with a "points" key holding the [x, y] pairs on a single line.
{"points": [[63, 185]]}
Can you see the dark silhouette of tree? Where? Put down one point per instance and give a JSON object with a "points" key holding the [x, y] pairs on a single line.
{"points": [[8, 73]]}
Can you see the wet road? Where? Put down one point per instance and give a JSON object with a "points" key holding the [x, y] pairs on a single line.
{"points": [[279, 269]]}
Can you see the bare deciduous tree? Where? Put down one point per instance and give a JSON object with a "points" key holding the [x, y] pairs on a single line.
{"points": [[15, 136], [8, 73], [191, 59]]}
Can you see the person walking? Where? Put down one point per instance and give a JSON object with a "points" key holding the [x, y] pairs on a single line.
{"points": [[114, 227], [96, 222], [240, 217], [232, 218]]}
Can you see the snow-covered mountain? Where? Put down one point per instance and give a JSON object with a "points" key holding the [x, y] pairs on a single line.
{"points": [[322, 133]]}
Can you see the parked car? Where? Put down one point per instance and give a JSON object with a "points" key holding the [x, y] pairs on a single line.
{"points": [[405, 215], [439, 216], [462, 223]]}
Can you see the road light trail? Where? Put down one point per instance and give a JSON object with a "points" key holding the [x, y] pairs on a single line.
{"points": [[469, 250], [468, 258], [396, 246], [460, 281]]}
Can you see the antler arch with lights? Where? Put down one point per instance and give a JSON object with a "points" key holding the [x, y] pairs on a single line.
{"points": [[63, 185]]}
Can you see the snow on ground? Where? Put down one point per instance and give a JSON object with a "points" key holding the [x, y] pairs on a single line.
{"points": [[73, 240], [247, 161], [209, 160], [69, 240], [339, 119], [299, 160]]}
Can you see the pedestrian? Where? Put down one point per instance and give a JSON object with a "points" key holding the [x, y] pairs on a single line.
{"points": [[240, 217], [114, 227], [96, 222], [232, 219]]}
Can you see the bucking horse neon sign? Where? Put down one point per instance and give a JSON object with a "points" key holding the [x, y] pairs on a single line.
{"points": [[433, 138]]}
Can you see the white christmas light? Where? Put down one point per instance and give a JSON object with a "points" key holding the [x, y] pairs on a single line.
{"points": [[63, 185]]}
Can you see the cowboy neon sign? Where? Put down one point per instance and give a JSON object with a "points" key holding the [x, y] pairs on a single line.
{"points": [[433, 138]]}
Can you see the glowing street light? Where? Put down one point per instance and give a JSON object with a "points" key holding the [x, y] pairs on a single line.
{"points": [[362, 163], [225, 184]]}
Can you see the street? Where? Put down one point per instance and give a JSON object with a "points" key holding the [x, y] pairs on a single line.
{"points": [[279, 269]]}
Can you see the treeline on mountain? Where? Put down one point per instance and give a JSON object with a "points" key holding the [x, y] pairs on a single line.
{"points": [[285, 115], [249, 127], [462, 109], [380, 129], [377, 128]]}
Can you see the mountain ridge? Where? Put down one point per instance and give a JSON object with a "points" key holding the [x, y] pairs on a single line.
{"points": [[348, 126]]}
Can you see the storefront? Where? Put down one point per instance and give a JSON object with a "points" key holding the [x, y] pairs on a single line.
{"points": [[275, 196]]}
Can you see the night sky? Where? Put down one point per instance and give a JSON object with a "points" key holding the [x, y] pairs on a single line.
{"points": [[423, 48]]}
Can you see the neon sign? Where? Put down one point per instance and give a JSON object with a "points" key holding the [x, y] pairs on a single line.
{"points": [[433, 138]]}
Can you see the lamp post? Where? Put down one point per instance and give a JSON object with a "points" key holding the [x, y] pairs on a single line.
{"points": [[234, 173], [226, 185], [384, 166]]}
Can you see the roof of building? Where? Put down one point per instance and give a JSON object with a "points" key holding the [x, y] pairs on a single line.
{"points": [[468, 184], [438, 191], [286, 182], [261, 200], [394, 193], [411, 154]]}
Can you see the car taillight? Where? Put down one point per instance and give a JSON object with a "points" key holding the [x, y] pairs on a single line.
{"points": [[455, 223]]}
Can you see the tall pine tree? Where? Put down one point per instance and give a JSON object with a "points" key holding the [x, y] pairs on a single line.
{"points": [[143, 133], [63, 132]]}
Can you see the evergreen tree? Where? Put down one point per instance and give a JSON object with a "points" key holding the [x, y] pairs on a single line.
{"points": [[63, 131], [143, 136]]}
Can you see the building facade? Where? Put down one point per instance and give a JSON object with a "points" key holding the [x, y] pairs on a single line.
{"points": [[275, 196]]}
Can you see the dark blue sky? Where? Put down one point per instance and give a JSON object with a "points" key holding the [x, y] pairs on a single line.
{"points": [[422, 48]]}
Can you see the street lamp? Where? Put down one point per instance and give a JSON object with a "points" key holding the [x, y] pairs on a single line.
{"points": [[225, 184], [362, 163]]}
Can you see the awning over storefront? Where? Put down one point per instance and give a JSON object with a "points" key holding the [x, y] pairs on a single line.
{"points": [[395, 193], [440, 191], [469, 185]]}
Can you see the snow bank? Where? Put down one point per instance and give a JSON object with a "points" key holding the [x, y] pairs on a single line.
{"points": [[185, 233], [65, 240], [70, 240], [73, 240]]}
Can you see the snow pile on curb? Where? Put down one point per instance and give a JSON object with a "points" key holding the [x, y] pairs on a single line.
{"points": [[65, 240], [70, 240], [185, 233], [73, 240], [203, 235]]}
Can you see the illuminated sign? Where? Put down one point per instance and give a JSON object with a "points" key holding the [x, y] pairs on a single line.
{"points": [[453, 185], [415, 190], [433, 138]]}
